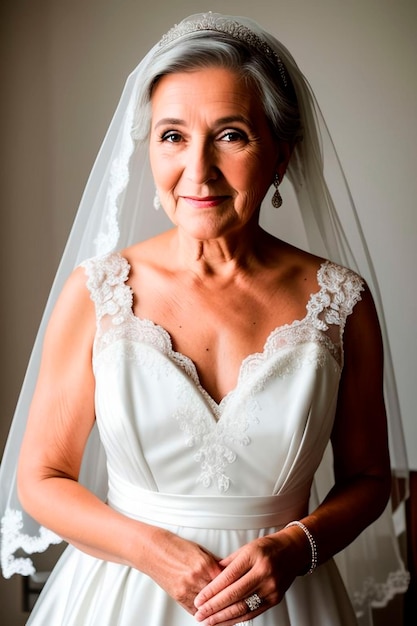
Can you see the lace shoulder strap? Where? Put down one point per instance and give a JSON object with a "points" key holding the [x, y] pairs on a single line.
{"points": [[340, 290], [106, 278]]}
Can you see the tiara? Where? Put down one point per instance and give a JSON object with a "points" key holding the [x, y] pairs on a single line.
{"points": [[220, 24]]}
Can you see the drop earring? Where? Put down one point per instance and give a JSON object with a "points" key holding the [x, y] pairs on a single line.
{"points": [[156, 201], [276, 198]]}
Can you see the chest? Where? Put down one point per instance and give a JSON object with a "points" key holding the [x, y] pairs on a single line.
{"points": [[218, 328]]}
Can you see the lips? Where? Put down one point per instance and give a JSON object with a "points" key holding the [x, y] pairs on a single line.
{"points": [[204, 202]]}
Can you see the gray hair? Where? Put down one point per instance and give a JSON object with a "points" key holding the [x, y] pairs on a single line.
{"points": [[202, 50]]}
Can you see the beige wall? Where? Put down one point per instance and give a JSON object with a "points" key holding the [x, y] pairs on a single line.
{"points": [[64, 64]]}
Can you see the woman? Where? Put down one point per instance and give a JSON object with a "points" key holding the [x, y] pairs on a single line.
{"points": [[217, 361]]}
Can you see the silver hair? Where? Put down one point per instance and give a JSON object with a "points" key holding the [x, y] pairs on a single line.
{"points": [[202, 50]]}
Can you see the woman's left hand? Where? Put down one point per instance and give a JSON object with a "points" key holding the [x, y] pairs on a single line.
{"points": [[267, 566]]}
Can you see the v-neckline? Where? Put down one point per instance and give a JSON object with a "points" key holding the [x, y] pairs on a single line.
{"points": [[190, 366]]}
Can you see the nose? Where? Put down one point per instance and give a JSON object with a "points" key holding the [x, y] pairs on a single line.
{"points": [[200, 162]]}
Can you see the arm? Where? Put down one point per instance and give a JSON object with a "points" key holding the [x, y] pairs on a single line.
{"points": [[359, 438], [269, 565], [60, 421]]}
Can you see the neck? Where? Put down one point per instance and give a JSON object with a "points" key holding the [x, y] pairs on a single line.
{"points": [[222, 256]]}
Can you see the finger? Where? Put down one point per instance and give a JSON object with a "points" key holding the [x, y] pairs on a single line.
{"points": [[231, 596], [245, 554], [239, 610], [227, 577]]}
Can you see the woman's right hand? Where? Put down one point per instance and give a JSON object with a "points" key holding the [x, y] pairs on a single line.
{"points": [[181, 567]]}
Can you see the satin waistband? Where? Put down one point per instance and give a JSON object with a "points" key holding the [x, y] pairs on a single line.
{"points": [[201, 511]]}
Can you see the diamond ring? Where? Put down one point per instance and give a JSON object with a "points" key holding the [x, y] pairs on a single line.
{"points": [[253, 602]]}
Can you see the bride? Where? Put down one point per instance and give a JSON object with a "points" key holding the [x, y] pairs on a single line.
{"points": [[214, 361]]}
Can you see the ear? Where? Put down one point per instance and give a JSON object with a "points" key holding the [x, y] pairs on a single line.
{"points": [[285, 149]]}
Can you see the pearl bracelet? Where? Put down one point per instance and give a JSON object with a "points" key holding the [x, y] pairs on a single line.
{"points": [[312, 543]]}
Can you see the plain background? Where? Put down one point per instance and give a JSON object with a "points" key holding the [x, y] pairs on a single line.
{"points": [[63, 67]]}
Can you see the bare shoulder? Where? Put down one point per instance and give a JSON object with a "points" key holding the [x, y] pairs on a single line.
{"points": [[73, 317], [151, 265], [151, 251], [75, 294], [363, 331], [294, 266]]}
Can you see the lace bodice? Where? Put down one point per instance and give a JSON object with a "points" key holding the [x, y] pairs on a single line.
{"points": [[164, 391], [326, 312]]}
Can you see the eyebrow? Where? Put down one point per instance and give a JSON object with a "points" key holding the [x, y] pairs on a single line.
{"points": [[230, 119], [235, 118], [170, 121]]}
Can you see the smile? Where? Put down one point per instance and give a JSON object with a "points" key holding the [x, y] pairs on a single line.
{"points": [[205, 202]]}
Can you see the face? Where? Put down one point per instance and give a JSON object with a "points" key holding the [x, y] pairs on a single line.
{"points": [[212, 153]]}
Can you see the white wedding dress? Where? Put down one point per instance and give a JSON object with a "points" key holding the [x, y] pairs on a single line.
{"points": [[217, 474]]}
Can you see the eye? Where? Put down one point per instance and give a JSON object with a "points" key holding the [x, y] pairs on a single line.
{"points": [[171, 136], [232, 135]]}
